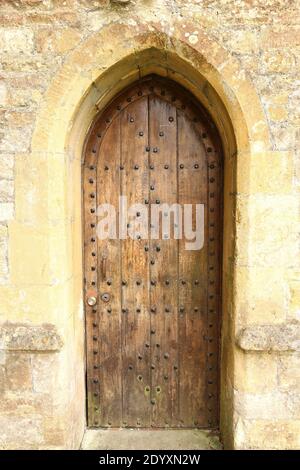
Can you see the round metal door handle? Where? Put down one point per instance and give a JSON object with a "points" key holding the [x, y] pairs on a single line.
{"points": [[105, 297], [91, 301]]}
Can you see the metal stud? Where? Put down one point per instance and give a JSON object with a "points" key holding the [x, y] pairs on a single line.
{"points": [[153, 282], [157, 201], [166, 167], [166, 356], [93, 211], [209, 149], [151, 167], [146, 248], [94, 151], [138, 310], [155, 150], [158, 248], [196, 166], [106, 168], [124, 283], [161, 134], [181, 165], [171, 119], [92, 195], [130, 367], [109, 282], [153, 309], [136, 167], [131, 119], [91, 180], [167, 309], [153, 332], [92, 167], [121, 167], [147, 149], [152, 187], [141, 133], [152, 261], [167, 282], [138, 283]]}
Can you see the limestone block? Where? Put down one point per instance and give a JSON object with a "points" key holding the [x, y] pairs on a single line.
{"points": [[6, 211], [284, 337], [289, 372], [19, 432], [25, 337], [255, 372], [3, 93], [3, 254], [6, 190], [270, 405], [18, 371], [7, 165], [16, 41], [267, 434]]}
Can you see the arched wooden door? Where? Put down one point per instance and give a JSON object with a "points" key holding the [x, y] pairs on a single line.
{"points": [[153, 334]]}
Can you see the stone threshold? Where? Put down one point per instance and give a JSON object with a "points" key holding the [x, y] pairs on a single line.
{"points": [[150, 439]]}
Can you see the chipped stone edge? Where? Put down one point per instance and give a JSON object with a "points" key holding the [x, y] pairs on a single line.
{"points": [[26, 337], [277, 338]]}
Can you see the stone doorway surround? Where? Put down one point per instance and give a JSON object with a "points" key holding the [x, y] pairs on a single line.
{"points": [[45, 359]]}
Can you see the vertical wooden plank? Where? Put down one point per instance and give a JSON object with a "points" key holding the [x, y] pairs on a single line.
{"points": [[163, 271], [192, 180], [135, 278], [109, 278], [90, 276]]}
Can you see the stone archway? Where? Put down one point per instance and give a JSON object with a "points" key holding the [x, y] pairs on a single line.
{"points": [[92, 74]]}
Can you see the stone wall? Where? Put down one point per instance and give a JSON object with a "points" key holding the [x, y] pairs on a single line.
{"points": [[52, 53]]}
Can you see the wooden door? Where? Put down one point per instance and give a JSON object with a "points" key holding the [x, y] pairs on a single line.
{"points": [[153, 334]]}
